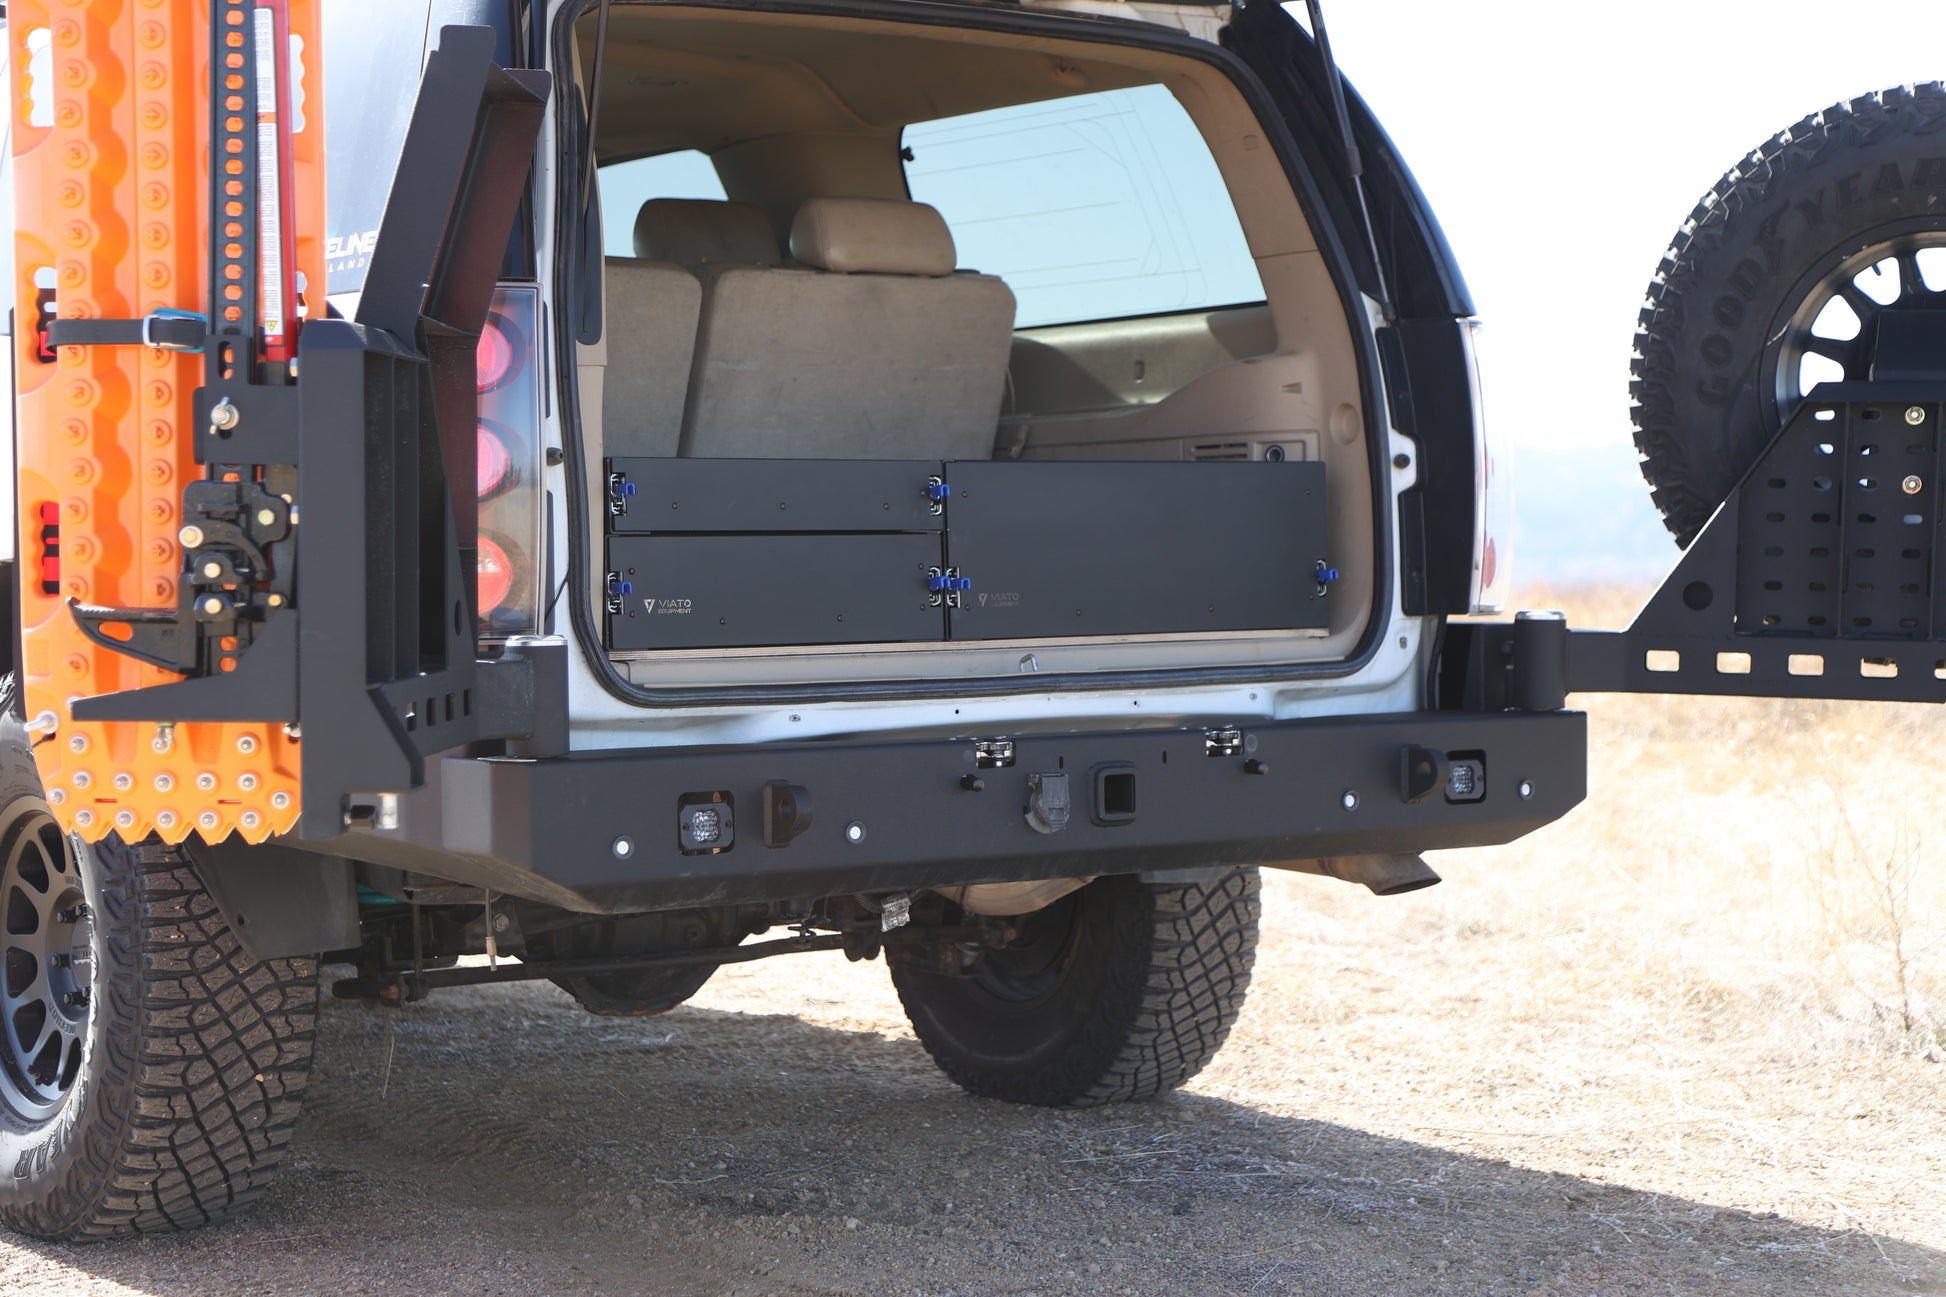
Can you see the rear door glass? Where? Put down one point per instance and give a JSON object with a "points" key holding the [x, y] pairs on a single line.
{"points": [[1095, 207]]}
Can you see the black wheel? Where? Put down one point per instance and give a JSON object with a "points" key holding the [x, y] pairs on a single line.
{"points": [[150, 1070], [1779, 280], [1118, 991]]}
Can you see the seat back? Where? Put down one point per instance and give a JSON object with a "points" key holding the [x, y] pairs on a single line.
{"points": [[653, 304], [872, 349]]}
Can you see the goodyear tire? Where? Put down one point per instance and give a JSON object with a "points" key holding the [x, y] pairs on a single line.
{"points": [[150, 1070], [1119, 991], [1852, 196]]}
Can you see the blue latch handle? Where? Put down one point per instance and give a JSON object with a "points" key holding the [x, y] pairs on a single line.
{"points": [[627, 487], [617, 585], [1328, 574], [938, 491]]}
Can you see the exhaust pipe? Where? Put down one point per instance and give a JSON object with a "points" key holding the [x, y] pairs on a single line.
{"points": [[1384, 875]]}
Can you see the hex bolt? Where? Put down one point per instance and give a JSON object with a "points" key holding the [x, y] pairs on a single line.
{"points": [[246, 743], [191, 536], [1915, 415], [79, 743], [280, 800], [250, 819], [1350, 799], [61, 960], [74, 1000], [206, 782], [501, 923], [1912, 485], [164, 782], [247, 782], [72, 913], [124, 781]]}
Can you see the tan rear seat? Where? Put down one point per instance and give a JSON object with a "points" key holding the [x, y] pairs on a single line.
{"points": [[653, 304], [877, 351]]}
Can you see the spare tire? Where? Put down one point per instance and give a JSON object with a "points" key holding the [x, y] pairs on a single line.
{"points": [[1848, 207]]}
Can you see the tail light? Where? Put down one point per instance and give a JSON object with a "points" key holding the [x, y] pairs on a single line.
{"points": [[1493, 494], [509, 485]]}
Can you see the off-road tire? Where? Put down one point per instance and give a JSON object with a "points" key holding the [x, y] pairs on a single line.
{"points": [[194, 1058], [1144, 992], [1703, 403]]}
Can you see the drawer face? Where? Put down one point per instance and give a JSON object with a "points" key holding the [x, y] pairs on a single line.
{"points": [[1107, 548], [747, 591], [771, 495]]}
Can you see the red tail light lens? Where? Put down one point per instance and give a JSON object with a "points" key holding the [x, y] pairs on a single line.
{"points": [[496, 460], [497, 354], [509, 481], [496, 577]]}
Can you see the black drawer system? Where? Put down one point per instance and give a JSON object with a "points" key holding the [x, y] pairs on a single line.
{"points": [[731, 553]]}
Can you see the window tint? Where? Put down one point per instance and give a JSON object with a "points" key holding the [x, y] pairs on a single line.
{"points": [[1091, 208], [625, 186]]}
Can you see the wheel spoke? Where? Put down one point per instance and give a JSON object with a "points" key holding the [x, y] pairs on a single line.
{"points": [[1912, 284]]}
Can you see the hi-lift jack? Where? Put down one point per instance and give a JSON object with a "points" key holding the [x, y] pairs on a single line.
{"points": [[237, 523], [1819, 577]]}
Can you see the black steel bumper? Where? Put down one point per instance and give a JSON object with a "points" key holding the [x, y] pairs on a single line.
{"points": [[599, 832]]}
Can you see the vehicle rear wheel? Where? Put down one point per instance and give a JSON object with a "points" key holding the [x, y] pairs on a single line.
{"points": [[1118, 991], [150, 1070], [1779, 280]]}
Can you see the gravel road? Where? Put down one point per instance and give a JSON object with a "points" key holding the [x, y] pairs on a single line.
{"points": [[784, 1133]]}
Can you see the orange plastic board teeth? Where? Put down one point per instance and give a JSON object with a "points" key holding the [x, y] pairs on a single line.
{"points": [[111, 109]]}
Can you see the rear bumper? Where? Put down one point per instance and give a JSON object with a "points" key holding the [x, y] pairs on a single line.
{"points": [[599, 832]]}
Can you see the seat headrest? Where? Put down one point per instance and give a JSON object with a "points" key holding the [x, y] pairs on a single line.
{"points": [[692, 231], [884, 236]]}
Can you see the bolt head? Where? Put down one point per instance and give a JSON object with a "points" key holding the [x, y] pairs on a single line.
{"points": [[82, 779], [124, 819], [622, 847], [55, 796], [190, 536], [247, 782], [79, 743], [246, 743], [1526, 789], [265, 517], [212, 570], [1912, 484], [166, 819], [854, 832], [1350, 800], [163, 783], [206, 782], [84, 817], [1915, 415], [124, 781], [207, 819], [213, 605], [280, 800], [250, 819]]}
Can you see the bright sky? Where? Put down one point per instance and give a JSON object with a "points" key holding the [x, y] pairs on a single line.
{"points": [[1561, 143]]}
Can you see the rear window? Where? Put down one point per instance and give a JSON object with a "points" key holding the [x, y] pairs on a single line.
{"points": [[374, 50], [625, 186], [1095, 207]]}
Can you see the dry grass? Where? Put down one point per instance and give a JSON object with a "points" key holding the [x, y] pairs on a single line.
{"points": [[1723, 977]]}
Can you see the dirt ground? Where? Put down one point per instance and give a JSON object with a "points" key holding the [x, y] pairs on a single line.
{"points": [[1691, 1039]]}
